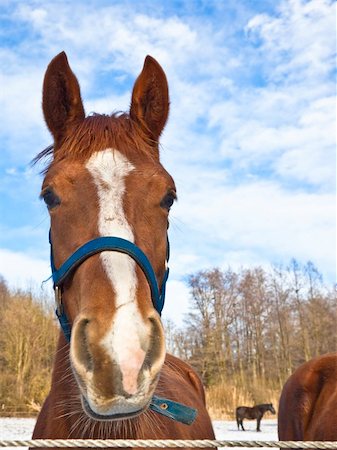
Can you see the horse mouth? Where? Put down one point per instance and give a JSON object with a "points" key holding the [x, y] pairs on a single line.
{"points": [[111, 417]]}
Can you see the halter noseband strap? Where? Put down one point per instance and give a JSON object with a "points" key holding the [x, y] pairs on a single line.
{"points": [[112, 243]]}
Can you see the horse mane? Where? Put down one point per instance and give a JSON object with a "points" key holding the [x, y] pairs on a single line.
{"points": [[98, 132]]}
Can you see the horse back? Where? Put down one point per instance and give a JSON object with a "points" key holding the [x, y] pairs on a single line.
{"points": [[246, 412], [307, 408]]}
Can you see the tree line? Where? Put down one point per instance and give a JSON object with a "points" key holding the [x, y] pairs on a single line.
{"points": [[246, 331], [27, 346]]}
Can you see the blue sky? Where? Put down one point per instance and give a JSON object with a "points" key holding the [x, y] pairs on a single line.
{"points": [[250, 139]]}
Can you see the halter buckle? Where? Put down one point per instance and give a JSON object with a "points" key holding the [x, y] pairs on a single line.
{"points": [[58, 300]]}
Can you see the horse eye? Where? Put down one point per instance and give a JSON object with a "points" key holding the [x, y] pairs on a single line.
{"points": [[168, 200], [50, 198]]}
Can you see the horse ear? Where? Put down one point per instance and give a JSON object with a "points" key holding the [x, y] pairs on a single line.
{"points": [[150, 99], [62, 104]]}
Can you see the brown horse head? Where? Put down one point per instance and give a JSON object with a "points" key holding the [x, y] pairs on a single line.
{"points": [[105, 179]]}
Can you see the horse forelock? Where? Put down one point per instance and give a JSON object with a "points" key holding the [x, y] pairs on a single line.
{"points": [[98, 132]]}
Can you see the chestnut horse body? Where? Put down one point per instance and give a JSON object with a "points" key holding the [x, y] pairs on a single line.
{"points": [[307, 409], [105, 179]]}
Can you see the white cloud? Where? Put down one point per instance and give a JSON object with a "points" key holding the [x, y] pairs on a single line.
{"points": [[298, 40], [286, 125], [177, 301], [301, 149], [21, 270], [257, 221], [310, 152], [104, 39], [114, 30], [20, 112]]}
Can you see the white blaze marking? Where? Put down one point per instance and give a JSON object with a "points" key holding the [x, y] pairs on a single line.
{"points": [[109, 168]]}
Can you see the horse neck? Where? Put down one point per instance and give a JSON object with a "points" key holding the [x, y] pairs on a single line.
{"points": [[264, 407], [63, 384], [61, 365]]}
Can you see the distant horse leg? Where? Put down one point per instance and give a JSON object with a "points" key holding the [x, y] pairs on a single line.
{"points": [[239, 420], [258, 421], [241, 423]]}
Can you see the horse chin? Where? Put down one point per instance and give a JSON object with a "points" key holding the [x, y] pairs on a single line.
{"points": [[120, 414]]}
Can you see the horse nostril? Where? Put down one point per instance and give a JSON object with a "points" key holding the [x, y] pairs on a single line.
{"points": [[81, 344], [156, 353]]}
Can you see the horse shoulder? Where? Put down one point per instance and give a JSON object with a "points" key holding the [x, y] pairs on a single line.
{"points": [[184, 370], [323, 425], [303, 408], [180, 383], [292, 407]]}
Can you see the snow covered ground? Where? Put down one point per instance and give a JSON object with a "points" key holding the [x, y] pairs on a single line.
{"points": [[224, 429], [228, 430], [16, 428]]}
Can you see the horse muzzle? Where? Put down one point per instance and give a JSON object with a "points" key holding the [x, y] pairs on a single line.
{"points": [[117, 374]]}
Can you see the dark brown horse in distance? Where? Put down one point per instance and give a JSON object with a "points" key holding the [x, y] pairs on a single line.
{"points": [[308, 403], [251, 413]]}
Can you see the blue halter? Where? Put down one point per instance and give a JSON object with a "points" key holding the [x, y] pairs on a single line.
{"points": [[168, 408], [106, 243]]}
